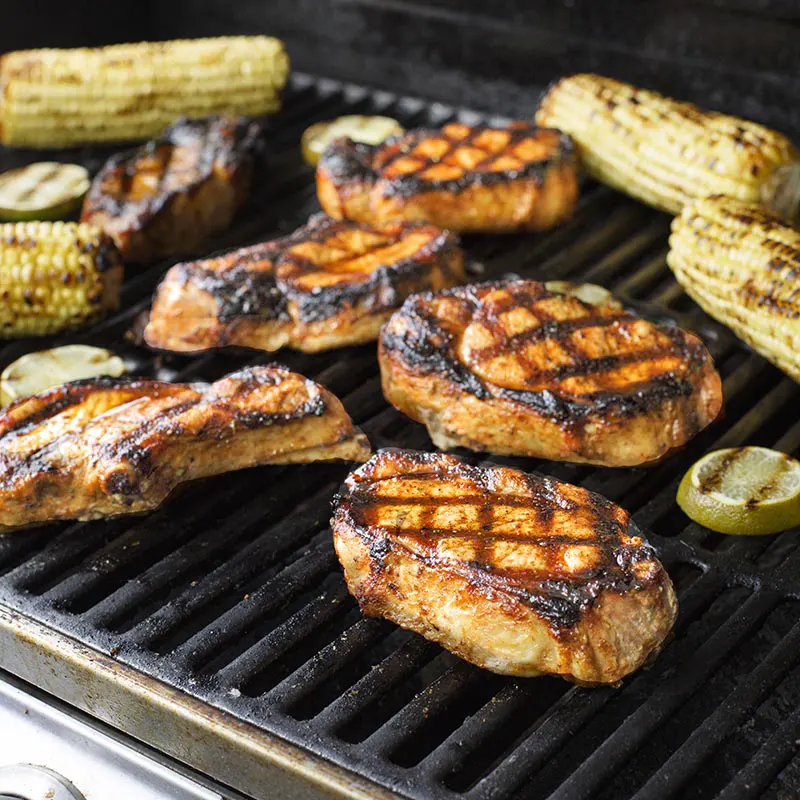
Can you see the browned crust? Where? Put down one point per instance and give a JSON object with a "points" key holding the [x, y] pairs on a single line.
{"points": [[110, 446], [355, 181], [202, 169], [590, 627], [266, 296], [423, 376]]}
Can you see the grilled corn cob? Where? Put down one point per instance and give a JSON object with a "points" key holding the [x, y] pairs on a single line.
{"points": [[55, 275], [739, 262], [667, 153], [58, 98]]}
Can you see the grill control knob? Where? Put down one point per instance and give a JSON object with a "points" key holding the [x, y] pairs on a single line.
{"points": [[26, 782]]}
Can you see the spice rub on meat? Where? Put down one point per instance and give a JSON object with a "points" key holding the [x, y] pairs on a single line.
{"points": [[520, 574], [481, 178], [513, 367], [169, 195], [329, 284], [109, 446]]}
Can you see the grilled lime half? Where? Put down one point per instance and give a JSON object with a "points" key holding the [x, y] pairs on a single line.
{"points": [[369, 130], [744, 490], [42, 191], [35, 372]]}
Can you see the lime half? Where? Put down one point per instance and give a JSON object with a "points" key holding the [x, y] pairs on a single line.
{"points": [[744, 490], [35, 372], [45, 190], [369, 130]]}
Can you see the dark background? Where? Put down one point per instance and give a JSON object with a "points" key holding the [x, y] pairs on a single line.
{"points": [[732, 55]]}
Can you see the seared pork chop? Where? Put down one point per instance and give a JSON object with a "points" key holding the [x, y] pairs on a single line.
{"points": [[517, 573], [516, 368], [170, 194], [109, 446], [329, 284], [481, 178]]}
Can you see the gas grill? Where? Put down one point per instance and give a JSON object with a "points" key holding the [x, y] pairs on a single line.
{"points": [[218, 630]]}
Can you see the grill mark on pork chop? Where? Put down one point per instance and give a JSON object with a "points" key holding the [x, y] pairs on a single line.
{"points": [[381, 288], [126, 445], [559, 596], [425, 346], [227, 140], [348, 160], [129, 442], [281, 280]]}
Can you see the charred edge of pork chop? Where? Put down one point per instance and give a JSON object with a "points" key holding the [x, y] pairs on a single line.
{"points": [[346, 162], [259, 282], [627, 567], [238, 289], [425, 346]]}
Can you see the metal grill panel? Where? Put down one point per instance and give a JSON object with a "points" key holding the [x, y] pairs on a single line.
{"points": [[231, 592]]}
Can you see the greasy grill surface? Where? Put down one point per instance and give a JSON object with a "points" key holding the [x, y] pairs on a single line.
{"points": [[232, 591]]}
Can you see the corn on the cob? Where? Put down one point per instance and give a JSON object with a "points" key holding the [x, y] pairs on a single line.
{"points": [[665, 152], [740, 263], [58, 98], [55, 275]]}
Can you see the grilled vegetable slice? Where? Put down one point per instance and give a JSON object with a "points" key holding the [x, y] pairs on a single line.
{"points": [[739, 262], [60, 98], [665, 152], [746, 490], [45, 190], [35, 372], [55, 275], [369, 130], [587, 292]]}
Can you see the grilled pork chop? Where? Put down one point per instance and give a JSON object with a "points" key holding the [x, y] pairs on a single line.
{"points": [[109, 446], [328, 284], [517, 573], [170, 194], [513, 367], [481, 178]]}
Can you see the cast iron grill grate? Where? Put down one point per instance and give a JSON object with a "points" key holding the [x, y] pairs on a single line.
{"points": [[231, 592]]}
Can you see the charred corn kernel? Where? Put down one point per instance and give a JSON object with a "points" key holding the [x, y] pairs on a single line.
{"points": [[666, 153], [55, 275], [58, 98], [739, 262]]}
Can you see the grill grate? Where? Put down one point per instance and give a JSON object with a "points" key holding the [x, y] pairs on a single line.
{"points": [[231, 592]]}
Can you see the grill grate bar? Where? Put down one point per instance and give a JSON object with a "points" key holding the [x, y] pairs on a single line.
{"points": [[685, 761], [356, 639], [643, 722], [290, 577], [768, 761], [577, 708], [404, 726], [408, 659], [259, 657], [195, 552], [178, 613]]}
